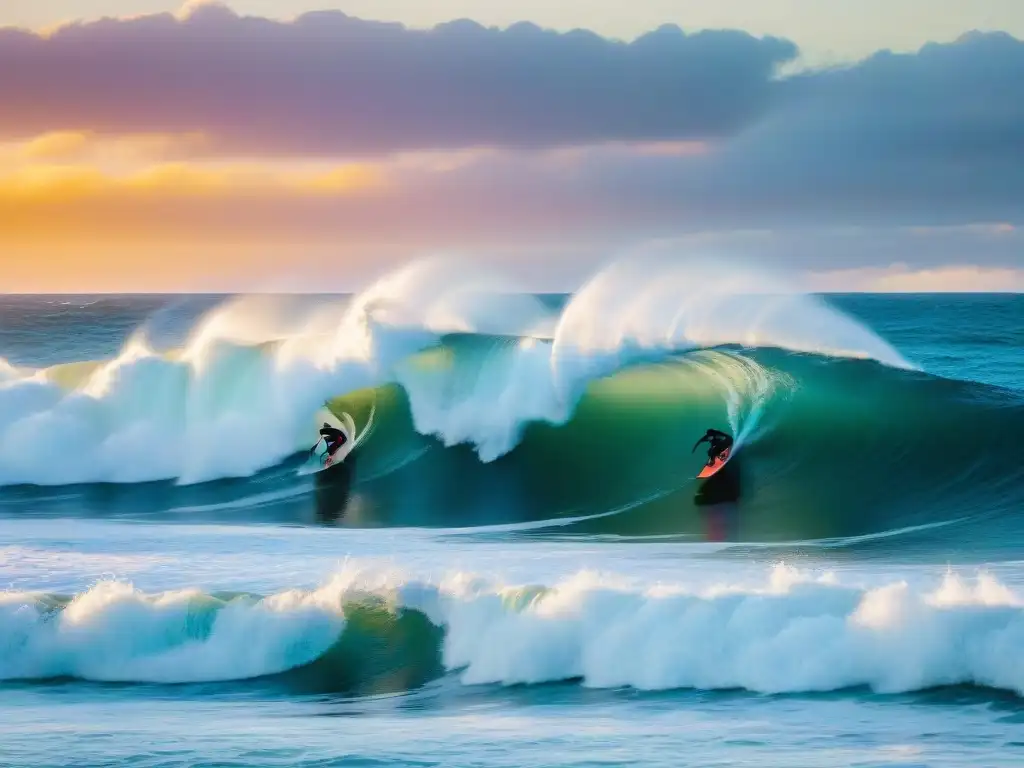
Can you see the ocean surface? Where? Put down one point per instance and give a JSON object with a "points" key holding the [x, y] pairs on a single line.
{"points": [[515, 565]]}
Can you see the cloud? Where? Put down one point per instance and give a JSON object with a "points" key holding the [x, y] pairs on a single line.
{"points": [[48, 184], [934, 138], [329, 83], [54, 145], [56, 203], [606, 198], [941, 130], [929, 138], [212, 127], [108, 151], [899, 278], [191, 7]]}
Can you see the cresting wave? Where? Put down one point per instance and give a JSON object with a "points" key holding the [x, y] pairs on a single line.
{"points": [[829, 449], [369, 632], [268, 365]]}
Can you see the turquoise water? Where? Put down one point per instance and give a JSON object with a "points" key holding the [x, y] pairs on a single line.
{"points": [[517, 567]]}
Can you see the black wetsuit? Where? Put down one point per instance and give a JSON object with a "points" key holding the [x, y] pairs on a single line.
{"points": [[335, 438], [718, 443]]}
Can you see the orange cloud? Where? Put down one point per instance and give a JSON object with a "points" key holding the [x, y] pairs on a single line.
{"points": [[341, 180], [899, 278], [51, 204], [113, 152], [50, 182], [138, 267], [61, 183], [58, 145]]}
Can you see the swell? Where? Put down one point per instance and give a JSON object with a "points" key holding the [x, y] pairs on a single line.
{"points": [[828, 449], [789, 632], [241, 394], [859, 449], [493, 407]]}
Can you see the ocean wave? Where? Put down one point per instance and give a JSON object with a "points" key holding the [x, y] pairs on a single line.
{"points": [[243, 393], [794, 631], [829, 449]]}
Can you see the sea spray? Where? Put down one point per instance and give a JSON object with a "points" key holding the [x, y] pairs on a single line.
{"points": [[241, 394]]}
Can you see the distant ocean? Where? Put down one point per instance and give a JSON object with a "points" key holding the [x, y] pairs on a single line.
{"points": [[516, 566]]}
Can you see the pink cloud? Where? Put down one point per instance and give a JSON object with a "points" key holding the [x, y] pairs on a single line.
{"points": [[331, 83]]}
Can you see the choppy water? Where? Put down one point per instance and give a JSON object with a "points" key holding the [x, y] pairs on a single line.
{"points": [[515, 566]]}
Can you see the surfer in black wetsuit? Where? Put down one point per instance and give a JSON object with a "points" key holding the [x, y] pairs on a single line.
{"points": [[718, 443], [334, 487], [334, 438]]}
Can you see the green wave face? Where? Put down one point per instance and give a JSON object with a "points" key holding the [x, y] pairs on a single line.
{"points": [[828, 448]]}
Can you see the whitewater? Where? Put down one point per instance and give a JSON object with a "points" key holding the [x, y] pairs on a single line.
{"points": [[515, 565]]}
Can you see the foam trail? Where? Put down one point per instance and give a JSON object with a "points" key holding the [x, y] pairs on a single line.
{"points": [[747, 388]]}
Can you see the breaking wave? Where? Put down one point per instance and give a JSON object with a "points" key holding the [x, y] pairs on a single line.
{"points": [[792, 631], [484, 406], [243, 393]]}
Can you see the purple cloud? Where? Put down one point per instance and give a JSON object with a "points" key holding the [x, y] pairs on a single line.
{"points": [[933, 138], [329, 83]]}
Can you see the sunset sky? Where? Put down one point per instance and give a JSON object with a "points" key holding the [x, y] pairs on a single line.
{"points": [[275, 145]]}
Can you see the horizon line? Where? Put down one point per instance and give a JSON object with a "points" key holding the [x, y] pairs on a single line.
{"points": [[4, 294]]}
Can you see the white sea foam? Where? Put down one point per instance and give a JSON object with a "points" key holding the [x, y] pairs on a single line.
{"points": [[114, 633], [242, 394], [791, 632], [634, 310]]}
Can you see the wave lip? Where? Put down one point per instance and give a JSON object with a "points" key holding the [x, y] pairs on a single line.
{"points": [[113, 633], [794, 632]]}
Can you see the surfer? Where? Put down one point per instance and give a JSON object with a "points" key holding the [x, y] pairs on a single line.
{"points": [[718, 443], [333, 487], [333, 437]]}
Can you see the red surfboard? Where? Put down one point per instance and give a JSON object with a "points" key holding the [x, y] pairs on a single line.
{"points": [[720, 462]]}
